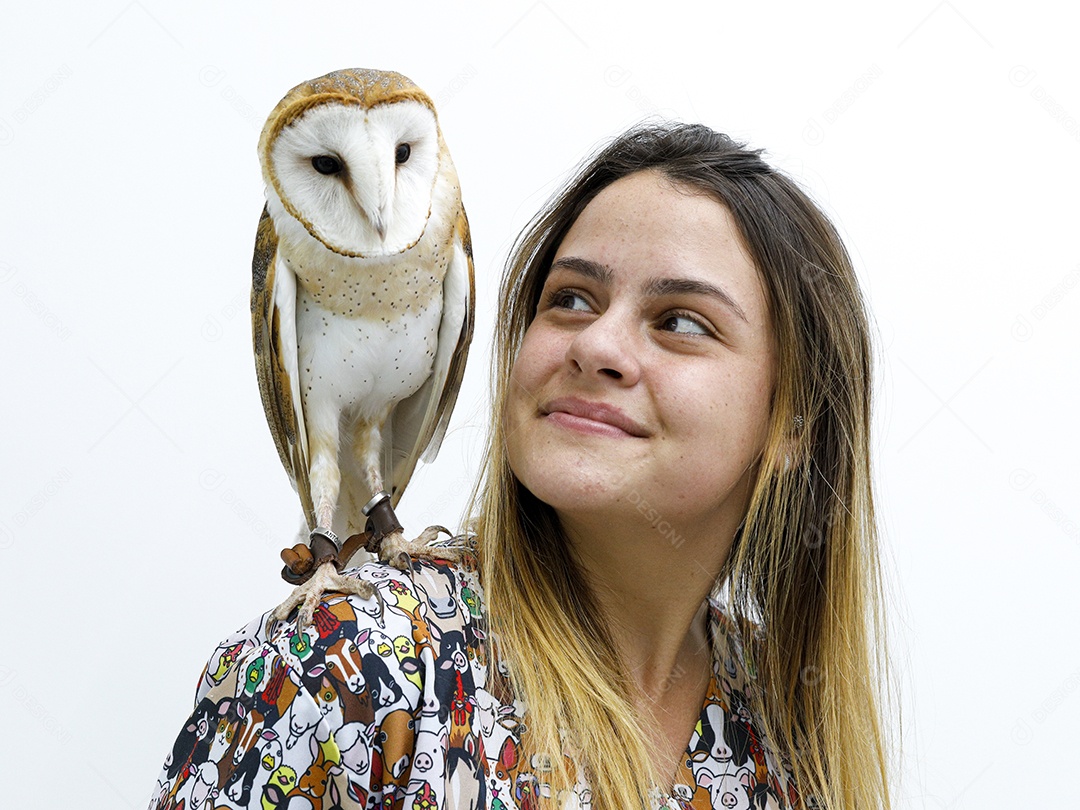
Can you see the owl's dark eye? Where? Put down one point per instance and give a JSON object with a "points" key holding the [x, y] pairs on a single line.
{"points": [[402, 153], [326, 164]]}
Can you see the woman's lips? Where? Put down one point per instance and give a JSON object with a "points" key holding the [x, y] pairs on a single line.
{"points": [[597, 418]]}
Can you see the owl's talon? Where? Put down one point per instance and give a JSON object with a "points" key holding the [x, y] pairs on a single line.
{"points": [[398, 552], [308, 595]]}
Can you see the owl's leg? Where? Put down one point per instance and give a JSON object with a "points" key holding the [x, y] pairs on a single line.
{"points": [[323, 471], [394, 548], [325, 477], [367, 448]]}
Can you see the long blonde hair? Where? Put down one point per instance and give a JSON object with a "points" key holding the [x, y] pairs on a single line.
{"points": [[802, 578]]}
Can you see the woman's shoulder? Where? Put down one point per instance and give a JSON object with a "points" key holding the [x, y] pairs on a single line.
{"points": [[281, 709], [411, 607]]}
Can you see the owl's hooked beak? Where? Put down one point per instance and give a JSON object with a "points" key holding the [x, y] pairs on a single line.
{"points": [[375, 210], [371, 186], [379, 224]]}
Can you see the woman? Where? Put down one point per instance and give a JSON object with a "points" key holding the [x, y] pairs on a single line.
{"points": [[682, 410]]}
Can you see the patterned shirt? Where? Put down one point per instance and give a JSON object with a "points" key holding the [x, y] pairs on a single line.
{"points": [[397, 708]]}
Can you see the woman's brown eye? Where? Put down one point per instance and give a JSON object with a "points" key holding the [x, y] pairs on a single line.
{"points": [[567, 299], [683, 325]]}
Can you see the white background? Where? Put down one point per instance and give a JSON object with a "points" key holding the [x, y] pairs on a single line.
{"points": [[143, 503]]}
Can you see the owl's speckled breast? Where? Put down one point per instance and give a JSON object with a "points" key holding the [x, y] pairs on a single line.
{"points": [[361, 364], [372, 289]]}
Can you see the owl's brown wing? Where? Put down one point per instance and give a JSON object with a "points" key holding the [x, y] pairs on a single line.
{"points": [[273, 331], [418, 424]]}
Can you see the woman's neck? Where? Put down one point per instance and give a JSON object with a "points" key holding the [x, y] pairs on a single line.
{"points": [[652, 591], [653, 594]]}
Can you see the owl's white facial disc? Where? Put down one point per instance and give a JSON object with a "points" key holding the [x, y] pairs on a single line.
{"points": [[340, 167]]}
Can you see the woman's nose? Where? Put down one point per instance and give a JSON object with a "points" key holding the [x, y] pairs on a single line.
{"points": [[607, 347]]}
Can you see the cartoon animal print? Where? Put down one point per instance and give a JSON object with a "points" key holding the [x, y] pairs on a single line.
{"points": [[270, 697], [738, 703], [324, 621], [424, 797], [462, 740], [507, 761], [195, 740], [226, 738], [254, 674], [327, 763], [300, 648], [343, 662], [223, 662], [440, 593], [710, 741], [395, 739], [238, 786], [190, 737], [526, 789], [719, 743], [200, 787], [278, 787], [354, 742], [729, 791], [301, 719], [429, 761], [382, 685], [464, 785], [408, 663], [342, 671], [247, 737], [326, 698], [452, 661]]}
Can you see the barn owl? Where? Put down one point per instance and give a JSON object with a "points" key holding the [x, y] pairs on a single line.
{"points": [[361, 303]]}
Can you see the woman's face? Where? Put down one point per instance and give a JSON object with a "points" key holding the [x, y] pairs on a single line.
{"points": [[643, 383]]}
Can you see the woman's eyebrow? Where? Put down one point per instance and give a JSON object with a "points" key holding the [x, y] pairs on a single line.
{"points": [[693, 286], [656, 287], [586, 267]]}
